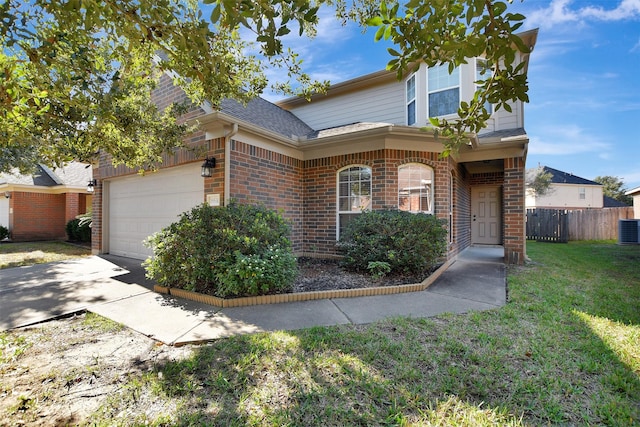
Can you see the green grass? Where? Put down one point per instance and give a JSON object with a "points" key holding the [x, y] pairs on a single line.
{"points": [[29, 253], [99, 323], [563, 351]]}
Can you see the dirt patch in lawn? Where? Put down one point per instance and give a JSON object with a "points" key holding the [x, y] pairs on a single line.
{"points": [[62, 371]]}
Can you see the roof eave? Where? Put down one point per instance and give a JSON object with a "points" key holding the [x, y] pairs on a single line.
{"points": [[498, 148], [57, 189], [226, 119]]}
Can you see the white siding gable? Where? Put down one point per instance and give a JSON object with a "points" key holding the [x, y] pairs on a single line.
{"points": [[383, 103]]}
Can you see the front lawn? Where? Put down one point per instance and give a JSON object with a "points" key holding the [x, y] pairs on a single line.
{"points": [[565, 350], [29, 253]]}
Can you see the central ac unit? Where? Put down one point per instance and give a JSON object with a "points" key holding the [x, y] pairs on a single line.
{"points": [[628, 231]]}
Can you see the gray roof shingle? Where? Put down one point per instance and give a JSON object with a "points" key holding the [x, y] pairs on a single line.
{"points": [[610, 202], [268, 116], [73, 174], [559, 177], [505, 133]]}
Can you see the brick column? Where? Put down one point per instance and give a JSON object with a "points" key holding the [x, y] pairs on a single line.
{"points": [[96, 215], [72, 206], [514, 210]]}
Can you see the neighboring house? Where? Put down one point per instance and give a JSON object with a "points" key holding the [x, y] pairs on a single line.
{"points": [[635, 193], [567, 191], [38, 206], [359, 147]]}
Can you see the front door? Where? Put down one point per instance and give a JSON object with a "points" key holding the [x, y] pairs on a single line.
{"points": [[486, 224]]}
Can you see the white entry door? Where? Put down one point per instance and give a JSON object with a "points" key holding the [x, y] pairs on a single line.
{"points": [[486, 224], [139, 206]]}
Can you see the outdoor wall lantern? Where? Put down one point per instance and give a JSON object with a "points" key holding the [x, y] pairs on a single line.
{"points": [[207, 167], [91, 185]]}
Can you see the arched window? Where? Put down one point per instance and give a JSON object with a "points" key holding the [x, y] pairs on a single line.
{"points": [[354, 193], [415, 188]]}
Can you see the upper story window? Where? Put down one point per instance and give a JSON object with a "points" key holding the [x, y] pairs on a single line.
{"points": [[444, 90], [354, 193], [483, 73], [582, 192], [415, 188], [411, 100]]}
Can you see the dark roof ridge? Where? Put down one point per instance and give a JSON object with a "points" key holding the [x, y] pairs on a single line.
{"points": [[560, 177]]}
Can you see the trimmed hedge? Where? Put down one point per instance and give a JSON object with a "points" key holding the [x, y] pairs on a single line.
{"points": [[232, 251], [409, 243], [79, 229]]}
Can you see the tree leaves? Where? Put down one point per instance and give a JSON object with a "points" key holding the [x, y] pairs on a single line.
{"points": [[452, 31], [76, 76]]}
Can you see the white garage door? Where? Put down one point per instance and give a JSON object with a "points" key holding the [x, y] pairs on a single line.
{"points": [[139, 206], [4, 211]]}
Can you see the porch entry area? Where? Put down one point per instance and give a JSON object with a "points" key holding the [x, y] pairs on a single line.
{"points": [[486, 215]]}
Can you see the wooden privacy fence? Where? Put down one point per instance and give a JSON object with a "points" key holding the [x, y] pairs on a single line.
{"points": [[558, 225], [548, 225]]}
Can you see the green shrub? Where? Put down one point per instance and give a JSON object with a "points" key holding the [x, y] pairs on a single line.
{"points": [[409, 243], [378, 269], [4, 232], [79, 229], [237, 250]]}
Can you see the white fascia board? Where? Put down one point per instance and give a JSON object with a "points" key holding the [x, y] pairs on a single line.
{"points": [[633, 191]]}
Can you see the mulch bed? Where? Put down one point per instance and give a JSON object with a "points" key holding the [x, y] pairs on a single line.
{"points": [[326, 274]]}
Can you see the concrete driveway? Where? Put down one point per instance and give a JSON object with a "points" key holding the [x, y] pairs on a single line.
{"points": [[44, 291]]}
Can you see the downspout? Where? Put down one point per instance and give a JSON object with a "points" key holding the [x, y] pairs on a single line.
{"points": [[227, 162]]}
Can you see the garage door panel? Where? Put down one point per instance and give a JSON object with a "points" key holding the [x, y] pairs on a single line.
{"points": [[142, 205], [4, 211]]}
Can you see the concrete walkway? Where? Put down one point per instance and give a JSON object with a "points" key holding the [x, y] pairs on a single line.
{"points": [[116, 288]]}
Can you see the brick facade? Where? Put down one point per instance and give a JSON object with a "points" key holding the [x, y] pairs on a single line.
{"points": [[514, 210], [306, 191], [261, 176], [39, 216], [461, 210]]}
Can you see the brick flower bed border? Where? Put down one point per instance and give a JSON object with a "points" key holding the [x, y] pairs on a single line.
{"points": [[302, 296]]}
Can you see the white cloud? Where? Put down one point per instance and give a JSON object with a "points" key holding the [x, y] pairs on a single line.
{"points": [[636, 47], [627, 9], [567, 140], [329, 31], [556, 13], [561, 12]]}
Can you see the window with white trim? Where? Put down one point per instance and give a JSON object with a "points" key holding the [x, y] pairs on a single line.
{"points": [[483, 73], [354, 194], [582, 193], [415, 188], [411, 100], [443, 90]]}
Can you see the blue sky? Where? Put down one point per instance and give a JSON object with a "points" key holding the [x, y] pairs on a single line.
{"points": [[584, 80]]}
